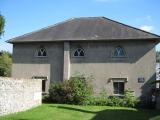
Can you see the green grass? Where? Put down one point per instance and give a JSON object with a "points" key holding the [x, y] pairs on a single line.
{"points": [[75, 112]]}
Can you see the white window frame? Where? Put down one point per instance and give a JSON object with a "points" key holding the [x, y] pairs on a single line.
{"points": [[118, 79], [118, 52], [39, 50], [77, 50], [118, 88]]}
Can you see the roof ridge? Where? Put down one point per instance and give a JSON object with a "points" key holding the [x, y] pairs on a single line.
{"points": [[88, 17]]}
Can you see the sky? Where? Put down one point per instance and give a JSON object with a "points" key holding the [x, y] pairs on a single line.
{"points": [[23, 16]]}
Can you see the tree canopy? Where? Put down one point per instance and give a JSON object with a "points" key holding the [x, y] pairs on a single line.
{"points": [[2, 23], [158, 56], [5, 63]]}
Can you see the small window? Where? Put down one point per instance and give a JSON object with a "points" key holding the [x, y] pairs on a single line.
{"points": [[118, 88], [79, 53], [41, 52], [119, 52]]}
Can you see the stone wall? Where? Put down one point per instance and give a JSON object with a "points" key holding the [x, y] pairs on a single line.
{"points": [[19, 94]]}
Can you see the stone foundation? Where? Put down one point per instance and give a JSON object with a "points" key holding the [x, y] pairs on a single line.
{"points": [[19, 94]]}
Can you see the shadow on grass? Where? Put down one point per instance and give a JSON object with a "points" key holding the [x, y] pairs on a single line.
{"points": [[23, 119], [119, 114]]}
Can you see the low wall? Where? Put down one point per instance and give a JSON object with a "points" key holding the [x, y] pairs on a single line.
{"points": [[19, 94]]}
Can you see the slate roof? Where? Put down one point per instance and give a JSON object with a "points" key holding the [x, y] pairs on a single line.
{"points": [[86, 28]]}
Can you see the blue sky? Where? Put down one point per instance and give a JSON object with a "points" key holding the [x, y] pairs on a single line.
{"points": [[23, 16]]}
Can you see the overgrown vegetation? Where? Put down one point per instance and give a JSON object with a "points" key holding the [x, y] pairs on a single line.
{"points": [[78, 90], [128, 100], [2, 23], [73, 91], [158, 56], [5, 63]]}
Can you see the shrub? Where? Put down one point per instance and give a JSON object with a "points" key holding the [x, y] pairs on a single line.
{"points": [[5, 63], [81, 89], [101, 99], [60, 93], [78, 90], [45, 98], [115, 101], [72, 91], [130, 99]]}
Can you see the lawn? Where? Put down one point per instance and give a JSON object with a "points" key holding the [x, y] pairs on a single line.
{"points": [[75, 112]]}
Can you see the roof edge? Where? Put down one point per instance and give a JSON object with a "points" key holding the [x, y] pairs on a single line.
{"points": [[70, 40]]}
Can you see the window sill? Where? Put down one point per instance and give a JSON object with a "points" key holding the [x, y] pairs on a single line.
{"points": [[119, 57], [118, 95], [41, 56], [78, 56]]}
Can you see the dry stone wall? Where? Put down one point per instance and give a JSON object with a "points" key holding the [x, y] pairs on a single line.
{"points": [[19, 94]]}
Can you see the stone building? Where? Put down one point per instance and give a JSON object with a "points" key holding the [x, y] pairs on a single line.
{"points": [[118, 56]]}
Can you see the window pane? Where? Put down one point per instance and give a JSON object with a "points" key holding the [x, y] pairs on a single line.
{"points": [[115, 85], [76, 53], [121, 87], [118, 87], [119, 52], [44, 53], [81, 53], [43, 85], [39, 53]]}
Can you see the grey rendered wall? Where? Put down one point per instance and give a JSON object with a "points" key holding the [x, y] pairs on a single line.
{"points": [[26, 64], [99, 62], [19, 94]]}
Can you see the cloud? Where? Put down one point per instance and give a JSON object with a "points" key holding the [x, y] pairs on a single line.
{"points": [[147, 18], [147, 28]]}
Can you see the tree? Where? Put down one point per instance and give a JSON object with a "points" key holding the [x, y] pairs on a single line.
{"points": [[2, 23], [5, 63], [158, 56]]}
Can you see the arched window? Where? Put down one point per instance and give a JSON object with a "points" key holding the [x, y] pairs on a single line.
{"points": [[79, 52], [119, 52], [41, 52]]}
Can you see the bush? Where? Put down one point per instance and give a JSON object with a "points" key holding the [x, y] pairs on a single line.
{"points": [[60, 93], [116, 101], [81, 89], [72, 91], [101, 100], [77, 90], [45, 98], [5, 64], [130, 99]]}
